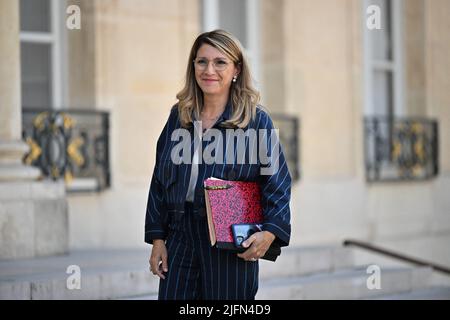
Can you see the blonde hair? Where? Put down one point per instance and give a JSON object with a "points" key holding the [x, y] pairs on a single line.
{"points": [[243, 95]]}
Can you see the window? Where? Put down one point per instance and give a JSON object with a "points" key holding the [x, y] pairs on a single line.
{"points": [[383, 61], [240, 17], [41, 32]]}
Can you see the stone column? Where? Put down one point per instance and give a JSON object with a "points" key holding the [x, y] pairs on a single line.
{"points": [[33, 214], [12, 148]]}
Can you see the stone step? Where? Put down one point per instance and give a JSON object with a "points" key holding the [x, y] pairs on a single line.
{"points": [[112, 274], [104, 274], [296, 261], [141, 297], [344, 284], [432, 293], [124, 273]]}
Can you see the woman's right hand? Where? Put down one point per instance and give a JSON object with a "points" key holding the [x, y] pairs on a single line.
{"points": [[158, 258]]}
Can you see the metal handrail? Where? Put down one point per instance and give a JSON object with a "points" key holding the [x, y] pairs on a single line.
{"points": [[397, 255]]}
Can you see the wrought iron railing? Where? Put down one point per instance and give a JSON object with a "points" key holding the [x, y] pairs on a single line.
{"points": [[399, 149], [288, 132], [72, 145]]}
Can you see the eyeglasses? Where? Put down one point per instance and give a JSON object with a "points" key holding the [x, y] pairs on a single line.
{"points": [[219, 64]]}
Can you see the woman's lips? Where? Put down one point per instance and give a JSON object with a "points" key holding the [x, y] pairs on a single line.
{"points": [[209, 80]]}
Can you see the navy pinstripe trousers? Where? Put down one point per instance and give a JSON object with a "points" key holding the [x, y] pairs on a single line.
{"points": [[199, 271]]}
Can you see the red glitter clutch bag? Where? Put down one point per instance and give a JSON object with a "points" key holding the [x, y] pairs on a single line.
{"points": [[228, 203]]}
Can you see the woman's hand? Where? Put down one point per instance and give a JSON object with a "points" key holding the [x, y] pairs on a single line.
{"points": [[259, 243], [158, 258]]}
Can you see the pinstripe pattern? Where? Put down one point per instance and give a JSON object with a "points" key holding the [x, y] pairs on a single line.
{"points": [[199, 271]]}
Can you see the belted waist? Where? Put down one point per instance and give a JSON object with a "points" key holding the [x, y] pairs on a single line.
{"points": [[177, 210]]}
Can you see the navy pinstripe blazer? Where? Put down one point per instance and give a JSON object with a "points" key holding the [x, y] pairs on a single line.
{"points": [[170, 181]]}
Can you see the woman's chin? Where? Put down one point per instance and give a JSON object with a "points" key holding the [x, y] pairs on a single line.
{"points": [[210, 91]]}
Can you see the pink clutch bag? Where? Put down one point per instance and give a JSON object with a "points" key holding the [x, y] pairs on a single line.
{"points": [[227, 203]]}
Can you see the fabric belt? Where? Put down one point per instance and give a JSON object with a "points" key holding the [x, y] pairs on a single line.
{"points": [[177, 211]]}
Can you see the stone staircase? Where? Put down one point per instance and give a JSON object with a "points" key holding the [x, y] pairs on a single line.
{"points": [[105, 274], [330, 273], [299, 273]]}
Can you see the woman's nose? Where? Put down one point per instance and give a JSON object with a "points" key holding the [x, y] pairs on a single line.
{"points": [[210, 68]]}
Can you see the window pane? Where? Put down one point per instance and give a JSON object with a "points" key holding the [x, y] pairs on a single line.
{"points": [[35, 15], [36, 75], [382, 93], [232, 18], [382, 39]]}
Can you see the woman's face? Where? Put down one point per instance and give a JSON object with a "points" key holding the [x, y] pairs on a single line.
{"points": [[211, 80]]}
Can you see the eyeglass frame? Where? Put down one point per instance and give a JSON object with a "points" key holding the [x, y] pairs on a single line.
{"points": [[195, 61]]}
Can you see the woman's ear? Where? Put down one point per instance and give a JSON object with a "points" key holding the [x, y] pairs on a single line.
{"points": [[238, 70]]}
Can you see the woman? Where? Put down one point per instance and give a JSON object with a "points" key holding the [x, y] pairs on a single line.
{"points": [[217, 96]]}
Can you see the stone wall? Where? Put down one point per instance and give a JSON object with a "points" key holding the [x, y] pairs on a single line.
{"points": [[33, 219], [141, 50], [313, 66]]}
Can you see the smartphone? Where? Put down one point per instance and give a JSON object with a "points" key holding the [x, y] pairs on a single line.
{"points": [[242, 231]]}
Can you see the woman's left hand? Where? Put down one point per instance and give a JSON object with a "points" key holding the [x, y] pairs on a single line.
{"points": [[257, 244]]}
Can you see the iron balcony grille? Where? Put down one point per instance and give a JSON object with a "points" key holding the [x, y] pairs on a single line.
{"points": [[288, 133], [72, 145], [398, 149]]}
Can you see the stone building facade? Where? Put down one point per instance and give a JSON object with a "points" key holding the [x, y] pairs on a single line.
{"points": [[316, 61]]}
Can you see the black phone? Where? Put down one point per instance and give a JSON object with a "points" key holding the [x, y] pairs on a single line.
{"points": [[242, 231]]}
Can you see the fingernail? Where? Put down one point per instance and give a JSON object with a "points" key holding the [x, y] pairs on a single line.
{"points": [[165, 269]]}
